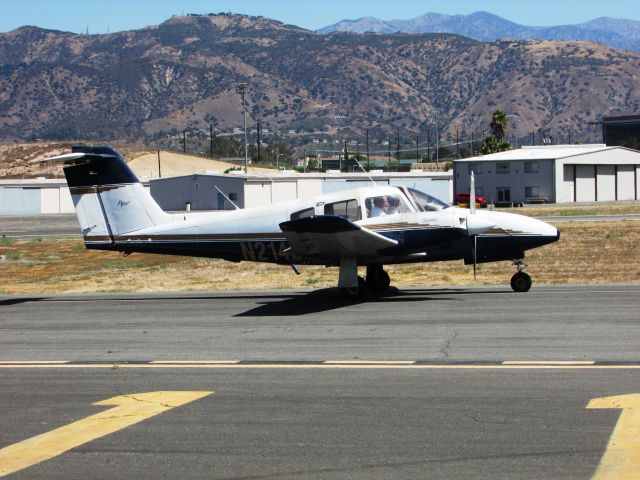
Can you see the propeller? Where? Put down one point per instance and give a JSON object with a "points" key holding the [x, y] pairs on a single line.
{"points": [[475, 224], [472, 210]]}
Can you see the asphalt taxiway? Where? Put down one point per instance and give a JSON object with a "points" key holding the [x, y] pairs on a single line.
{"points": [[422, 383]]}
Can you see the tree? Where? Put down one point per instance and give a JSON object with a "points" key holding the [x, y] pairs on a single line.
{"points": [[278, 153], [631, 143], [497, 141]]}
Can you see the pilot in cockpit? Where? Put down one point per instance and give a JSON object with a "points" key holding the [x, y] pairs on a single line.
{"points": [[394, 204], [380, 205]]}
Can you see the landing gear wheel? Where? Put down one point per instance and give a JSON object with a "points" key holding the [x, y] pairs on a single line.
{"points": [[355, 293], [378, 280], [521, 282]]}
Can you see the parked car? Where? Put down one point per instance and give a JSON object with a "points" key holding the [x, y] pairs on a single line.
{"points": [[464, 198]]}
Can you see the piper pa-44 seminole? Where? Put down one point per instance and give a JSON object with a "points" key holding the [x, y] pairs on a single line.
{"points": [[369, 227]]}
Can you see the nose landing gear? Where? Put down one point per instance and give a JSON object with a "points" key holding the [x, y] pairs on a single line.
{"points": [[521, 281]]}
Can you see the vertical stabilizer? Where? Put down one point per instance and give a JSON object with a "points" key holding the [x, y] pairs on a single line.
{"points": [[108, 198]]}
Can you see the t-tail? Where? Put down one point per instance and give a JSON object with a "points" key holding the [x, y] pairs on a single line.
{"points": [[109, 199]]}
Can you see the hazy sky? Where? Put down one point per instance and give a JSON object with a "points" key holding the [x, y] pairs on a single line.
{"points": [[100, 16]]}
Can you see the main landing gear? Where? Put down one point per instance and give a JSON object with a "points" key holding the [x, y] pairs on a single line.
{"points": [[521, 281], [377, 281]]}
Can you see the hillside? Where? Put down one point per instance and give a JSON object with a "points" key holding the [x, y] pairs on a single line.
{"points": [[182, 74]]}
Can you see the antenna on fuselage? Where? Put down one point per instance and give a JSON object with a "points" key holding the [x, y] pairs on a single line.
{"points": [[228, 199], [365, 172]]}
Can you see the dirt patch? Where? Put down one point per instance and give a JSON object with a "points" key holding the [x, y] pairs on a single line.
{"points": [[177, 164]]}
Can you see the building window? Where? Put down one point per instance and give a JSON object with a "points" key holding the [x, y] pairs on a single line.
{"points": [[476, 168], [348, 209], [502, 167], [233, 197], [503, 194], [532, 192], [530, 167]]}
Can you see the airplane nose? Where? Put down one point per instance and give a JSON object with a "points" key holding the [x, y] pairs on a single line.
{"points": [[477, 225]]}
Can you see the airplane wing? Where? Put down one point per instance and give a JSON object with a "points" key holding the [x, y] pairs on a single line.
{"points": [[330, 236]]}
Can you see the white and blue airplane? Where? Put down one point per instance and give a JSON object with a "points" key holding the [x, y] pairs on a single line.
{"points": [[369, 227]]}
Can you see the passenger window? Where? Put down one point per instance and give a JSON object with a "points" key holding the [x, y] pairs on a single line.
{"points": [[307, 212], [348, 209]]}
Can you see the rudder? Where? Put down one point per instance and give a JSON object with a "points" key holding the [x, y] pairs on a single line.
{"points": [[108, 197]]}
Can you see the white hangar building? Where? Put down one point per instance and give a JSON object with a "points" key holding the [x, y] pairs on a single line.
{"points": [[554, 173], [213, 191], [216, 192], [35, 196]]}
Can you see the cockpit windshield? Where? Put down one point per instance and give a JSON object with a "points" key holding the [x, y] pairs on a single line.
{"points": [[426, 202]]}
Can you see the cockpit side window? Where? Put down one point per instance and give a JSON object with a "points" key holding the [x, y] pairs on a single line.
{"points": [[385, 205], [307, 212], [348, 209], [426, 202]]}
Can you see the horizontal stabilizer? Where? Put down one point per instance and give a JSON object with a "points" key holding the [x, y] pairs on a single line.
{"points": [[333, 237], [73, 158]]}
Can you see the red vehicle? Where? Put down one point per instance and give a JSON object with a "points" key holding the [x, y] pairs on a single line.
{"points": [[464, 198]]}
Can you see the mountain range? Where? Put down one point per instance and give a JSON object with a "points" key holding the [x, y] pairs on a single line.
{"points": [[183, 73], [487, 27]]}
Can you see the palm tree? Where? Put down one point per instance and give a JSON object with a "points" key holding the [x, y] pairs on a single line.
{"points": [[499, 124], [497, 142]]}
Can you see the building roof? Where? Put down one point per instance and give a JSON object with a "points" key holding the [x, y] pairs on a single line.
{"points": [[293, 175], [625, 119], [541, 152]]}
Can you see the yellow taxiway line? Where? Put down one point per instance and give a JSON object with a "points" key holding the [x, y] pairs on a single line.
{"points": [[330, 364], [129, 410], [621, 459]]}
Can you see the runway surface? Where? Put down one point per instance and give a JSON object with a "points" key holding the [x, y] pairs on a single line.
{"points": [[423, 383]]}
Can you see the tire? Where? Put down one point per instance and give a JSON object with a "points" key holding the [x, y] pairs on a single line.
{"points": [[521, 282], [355, 293], [379, 282]]}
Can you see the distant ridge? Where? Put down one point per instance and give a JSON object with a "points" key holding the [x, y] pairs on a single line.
{"points": [[487, 27]]}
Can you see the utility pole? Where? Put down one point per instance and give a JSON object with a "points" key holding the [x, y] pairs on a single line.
{"points": [[241, 89], [184, 141], [429, 143], [457, 144], [368, 161], [159, 173], [398, 146], [417, 147], [258, 131], [389, 146], [437, 140], [346, 156], [211, 140]]}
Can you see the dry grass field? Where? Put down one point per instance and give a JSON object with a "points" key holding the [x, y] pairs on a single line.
{"points": [[590, 252]]}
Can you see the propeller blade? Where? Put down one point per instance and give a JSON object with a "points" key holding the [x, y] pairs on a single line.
{"points": [[472, 194], [475, 258]]}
